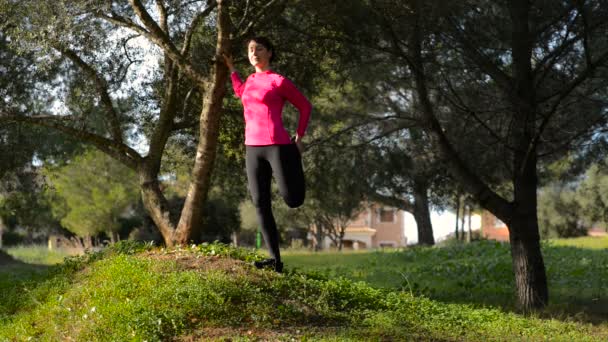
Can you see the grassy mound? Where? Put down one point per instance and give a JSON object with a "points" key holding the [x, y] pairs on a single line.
{"points": [[135, 292]]}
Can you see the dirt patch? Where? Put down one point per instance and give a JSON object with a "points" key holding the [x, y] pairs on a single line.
{"points": [[192, 261], [250, 334], [6, 259]]}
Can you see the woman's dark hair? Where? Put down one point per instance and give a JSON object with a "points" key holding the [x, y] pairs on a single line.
{"points": [[265, 42]]}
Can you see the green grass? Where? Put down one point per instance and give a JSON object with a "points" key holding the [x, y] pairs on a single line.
{"points": [[584, 242], [136, 293], [479, 274], [40, 254]]}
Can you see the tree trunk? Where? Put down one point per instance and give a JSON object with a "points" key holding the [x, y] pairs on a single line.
{"points": [[319, 237], [422, 214], [1, 231], [528, 265], [156, 204], [462, 217], [190, 221], [114, 237], [470, 231], [341, 239], [87, 242], [457, 214]]}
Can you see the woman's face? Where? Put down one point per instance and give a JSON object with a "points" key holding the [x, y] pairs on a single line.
{"points": [[259, 56]]}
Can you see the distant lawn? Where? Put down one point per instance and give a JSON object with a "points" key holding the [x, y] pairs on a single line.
{"points": [[40, 254], [479, 273], [211, 292], [583, 242]]}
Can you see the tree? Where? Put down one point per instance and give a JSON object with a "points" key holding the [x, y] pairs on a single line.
{"points": [[536, 99], [359, 93], [559, 213], [91, 193], [228, 187], [514, 95], [592, 196], [189, 39], [338, 183]]}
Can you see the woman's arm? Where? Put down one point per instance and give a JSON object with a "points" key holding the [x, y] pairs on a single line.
{"points": [[237, 83], [289, 91]]}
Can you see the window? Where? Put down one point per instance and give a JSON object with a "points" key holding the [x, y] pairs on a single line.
{"points": [[387, 215]]}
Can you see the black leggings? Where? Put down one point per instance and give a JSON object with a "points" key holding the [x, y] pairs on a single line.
{"points": [[284, 161]]}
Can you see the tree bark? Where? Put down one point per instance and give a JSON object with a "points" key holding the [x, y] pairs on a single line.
{"points": [[469, 231], [318, 236], [190, 221], [422, 214], [463, 236], [457, 215], [87, 242], [156, 204], [1, 230], [528, 265], [527, 259]]}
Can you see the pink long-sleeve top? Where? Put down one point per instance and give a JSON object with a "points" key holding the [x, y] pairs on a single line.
{"points": [[263, 96]]}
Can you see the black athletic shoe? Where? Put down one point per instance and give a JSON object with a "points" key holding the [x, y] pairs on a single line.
{"points": [[278, 267], [269, 263]]}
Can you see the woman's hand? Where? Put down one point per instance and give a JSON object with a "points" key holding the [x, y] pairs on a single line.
{"points": [[228, 61], [299, 143]]}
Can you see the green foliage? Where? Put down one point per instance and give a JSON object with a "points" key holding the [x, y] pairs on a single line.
{"points": [[568, 207], [592, 195], [90, 193], [223, 250], [222, 219], [25, 213], [559, 213], [152, 296]]}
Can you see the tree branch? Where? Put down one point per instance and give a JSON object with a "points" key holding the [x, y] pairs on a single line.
{"points": [[486, 197], [470, 50], [581, 9], [258, 16], [211, 4], [462, 106], [102, 89], [118, 150], [331, 137], [393, 201], [566, 91], [158, 37], [162, 12]]}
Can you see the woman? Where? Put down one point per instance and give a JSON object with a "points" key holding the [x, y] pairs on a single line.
{"points": [[269, 148]]}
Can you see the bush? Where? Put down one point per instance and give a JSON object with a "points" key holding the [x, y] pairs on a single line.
{"points": [[559, 213]]}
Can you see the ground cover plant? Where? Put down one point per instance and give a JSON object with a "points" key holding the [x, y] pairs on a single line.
{"points": [[478, 273], [141, 292]]}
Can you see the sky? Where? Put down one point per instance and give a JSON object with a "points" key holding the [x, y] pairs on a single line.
{"points": [[443, 223]]}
